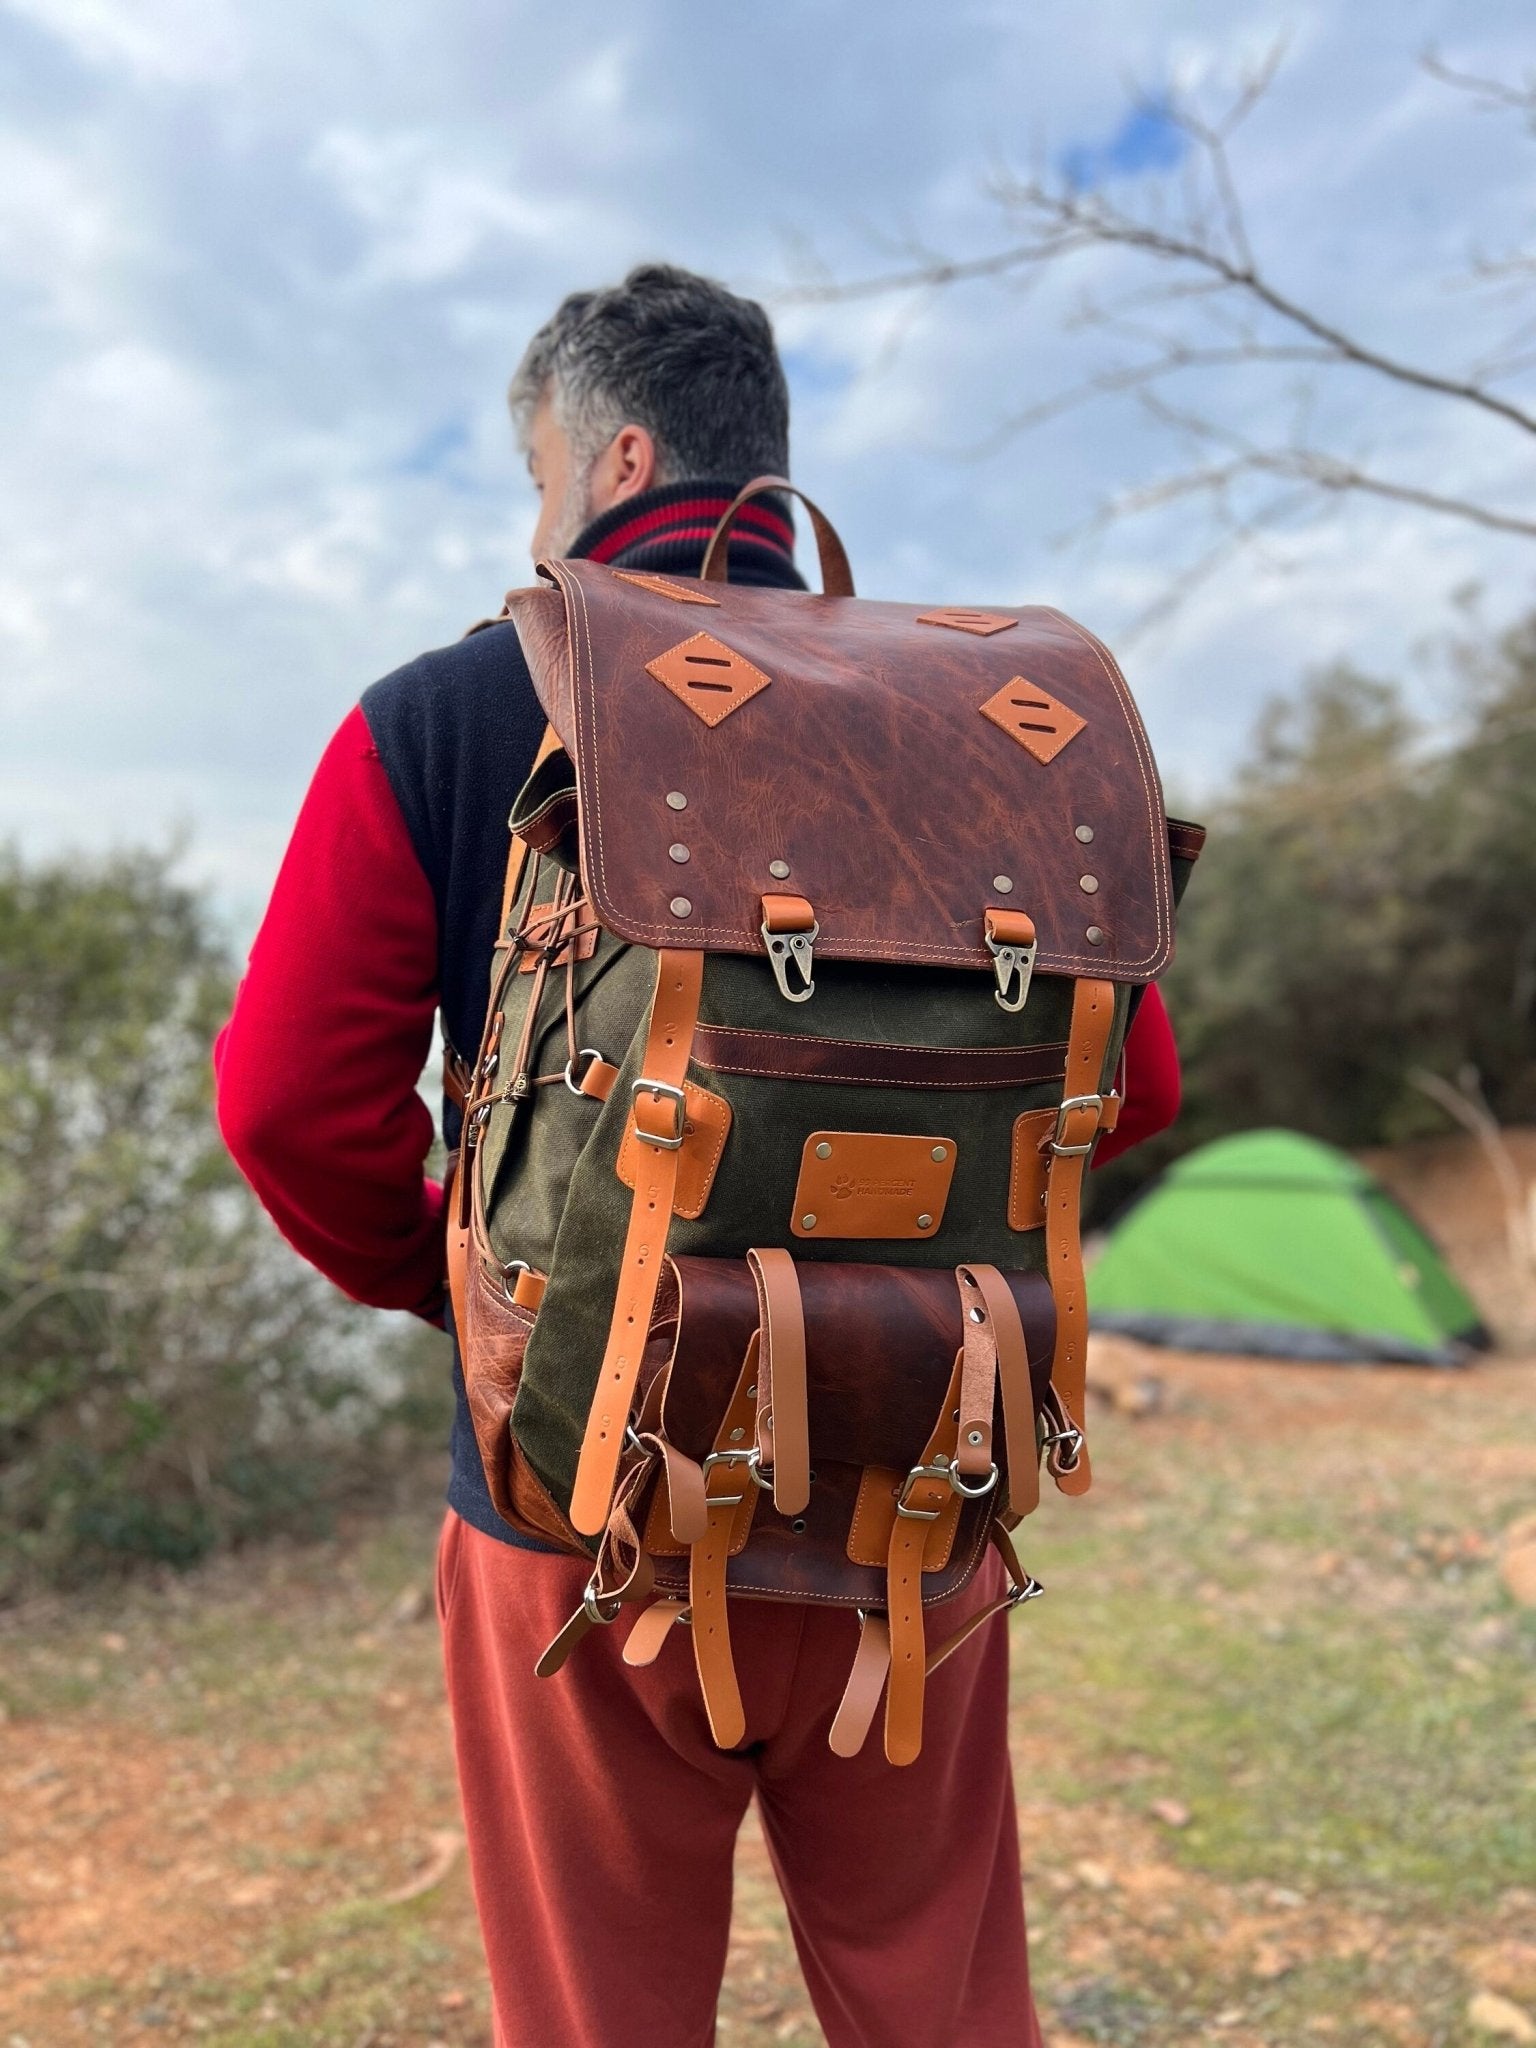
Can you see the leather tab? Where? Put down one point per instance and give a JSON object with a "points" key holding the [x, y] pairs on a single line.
{"points": [[783, 1423], [713, 680], [787, 913], [866, 1682], [706, 1126], [598, 1079], [528, 1289], [649, 1636], [1034, 718], [1028, 1167]]}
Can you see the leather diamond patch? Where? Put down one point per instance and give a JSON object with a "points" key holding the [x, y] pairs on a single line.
{"points": [[663, 587], [713, 680], [967, 621], [1033, 717]]}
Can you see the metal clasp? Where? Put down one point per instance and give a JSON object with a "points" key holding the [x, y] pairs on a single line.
{"points": [[1064, 1109], [795, 950], [1012, 963], [679, 1102]]}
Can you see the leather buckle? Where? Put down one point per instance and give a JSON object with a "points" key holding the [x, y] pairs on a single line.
{"points": [[679, 1103], [1065, 1109]]}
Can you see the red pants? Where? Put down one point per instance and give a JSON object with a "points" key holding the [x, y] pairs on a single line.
{"points": [[602, 1821]]}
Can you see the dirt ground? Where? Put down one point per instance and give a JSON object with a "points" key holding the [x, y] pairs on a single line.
{"points": [[1275, 1740]]}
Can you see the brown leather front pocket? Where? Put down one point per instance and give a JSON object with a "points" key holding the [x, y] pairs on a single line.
{"points": [[495, 1338]]}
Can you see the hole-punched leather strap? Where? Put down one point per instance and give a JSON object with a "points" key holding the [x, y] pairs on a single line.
{"points": [[674, 1012], [1078, 1122], [836, 576], [783, 1422], [730, 1499], [925, 1494], [996, 1355]]}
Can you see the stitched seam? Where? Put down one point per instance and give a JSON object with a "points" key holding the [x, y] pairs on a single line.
{"points": [[958, 1052], [876, 1080], [1043, 1119]]}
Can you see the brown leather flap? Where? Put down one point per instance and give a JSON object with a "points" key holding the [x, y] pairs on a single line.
{"points": [[880, 1346], [889, 770]]}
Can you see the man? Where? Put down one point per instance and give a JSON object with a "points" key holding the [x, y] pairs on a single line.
{"points": [[601, 1818]]}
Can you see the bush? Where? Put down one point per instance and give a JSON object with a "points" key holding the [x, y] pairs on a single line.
{"points": [[170, 1378]]}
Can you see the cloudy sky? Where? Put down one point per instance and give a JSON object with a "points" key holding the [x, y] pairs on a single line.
{"points": [[265, 271]]}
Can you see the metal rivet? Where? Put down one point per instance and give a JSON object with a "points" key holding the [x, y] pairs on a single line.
{"points": [[941, 1461], [939, 1152], [1089, 884], [752, 1391], [779, 869], [1003, 884], [679, 853], [676, 801], [1095, 935], [737, 1435], [1085, 833], [973, 1436], [823, 1150], [807, 1222], [924, 1222], [681, 907]]}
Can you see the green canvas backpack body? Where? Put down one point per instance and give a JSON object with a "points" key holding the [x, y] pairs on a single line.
{"points": [[824, 924]]}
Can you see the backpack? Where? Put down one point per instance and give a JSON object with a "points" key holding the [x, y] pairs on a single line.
{"points": [[824, 923]]}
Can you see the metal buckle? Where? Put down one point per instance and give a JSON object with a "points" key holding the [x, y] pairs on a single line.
{"points": [[797, 950], [936, 1470], [1071, 1436], [747, 1458], [1008, 962], [679, 1101], [588, 1052], [1064, 1109]]}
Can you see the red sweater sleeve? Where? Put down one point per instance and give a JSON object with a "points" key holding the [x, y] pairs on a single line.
{"points": [[1151, 1080], [317, 1067]]}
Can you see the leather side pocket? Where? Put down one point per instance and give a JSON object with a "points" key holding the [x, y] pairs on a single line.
{"points": [[495, 1340]]}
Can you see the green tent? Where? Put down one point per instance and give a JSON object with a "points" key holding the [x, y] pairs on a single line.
{"points": [[1272, 1243]]}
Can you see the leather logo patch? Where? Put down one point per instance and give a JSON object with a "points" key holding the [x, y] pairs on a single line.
{"points": [[964, 621], [1033, 717], [713, 680], [871, 1184], [678, 592]]}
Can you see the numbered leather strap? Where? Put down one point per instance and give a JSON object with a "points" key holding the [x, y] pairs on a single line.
{"points": [[730, 1497], [656, 1118], [925, 1494], [783, 1423], [1078, 1123]]}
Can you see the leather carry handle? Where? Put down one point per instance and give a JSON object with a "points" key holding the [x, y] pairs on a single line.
{"points": [[836, 576]]}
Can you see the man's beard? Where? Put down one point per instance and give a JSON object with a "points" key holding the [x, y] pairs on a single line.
{"points": [[576, 514]]}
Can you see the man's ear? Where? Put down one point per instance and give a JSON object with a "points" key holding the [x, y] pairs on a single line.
{"points": [[626, 467]]}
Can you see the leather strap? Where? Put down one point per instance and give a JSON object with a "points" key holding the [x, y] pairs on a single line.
{"points": [[517, 852], [783, 1421], [1077, 1125], [926, 1492], [1024, 1587], [648, 1638], [731, 1498], [657, 1120], [996, 1356], [866, 1682], [787, 913], [836, 576]]}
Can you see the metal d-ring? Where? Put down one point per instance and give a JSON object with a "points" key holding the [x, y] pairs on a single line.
{"points": [[588, 1052], [971, 1492], [591, 1600], [512, 1266]]}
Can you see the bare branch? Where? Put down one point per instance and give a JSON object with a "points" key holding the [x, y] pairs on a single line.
{"points": [[1493, 94]]}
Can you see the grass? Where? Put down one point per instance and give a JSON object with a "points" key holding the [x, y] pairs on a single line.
{"points": [[1273, 1728]]}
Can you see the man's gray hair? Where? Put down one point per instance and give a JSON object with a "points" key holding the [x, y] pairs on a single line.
{"points": [[669, 351]]}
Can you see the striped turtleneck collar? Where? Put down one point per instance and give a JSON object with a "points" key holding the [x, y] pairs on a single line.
{"points": [[666, 530]]}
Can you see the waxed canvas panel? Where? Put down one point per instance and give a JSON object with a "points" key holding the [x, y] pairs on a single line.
{"points": [[867, 765]]}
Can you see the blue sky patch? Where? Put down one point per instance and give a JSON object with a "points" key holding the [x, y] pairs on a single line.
{"points": [[1147, 139]]}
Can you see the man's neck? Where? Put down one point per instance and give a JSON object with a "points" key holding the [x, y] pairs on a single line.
{"points": [[666, 530]]}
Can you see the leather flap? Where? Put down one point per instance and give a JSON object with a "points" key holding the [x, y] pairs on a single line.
{"points": [[880, 1344], [900, 774]]}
